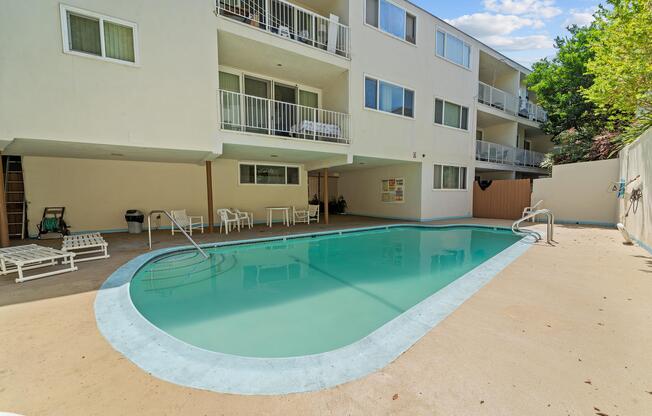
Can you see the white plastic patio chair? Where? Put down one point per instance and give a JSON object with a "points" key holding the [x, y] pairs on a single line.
{"points": [[187, 222], [313, 213], [228, 219], [305, 215], [300, 215], [533, 208], [245, 218]]}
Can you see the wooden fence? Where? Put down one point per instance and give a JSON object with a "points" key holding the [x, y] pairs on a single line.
{"points": [[504, 199]]}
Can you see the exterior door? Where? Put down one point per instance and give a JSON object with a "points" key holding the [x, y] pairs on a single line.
{"points": [[257, 94], [285, 117]]}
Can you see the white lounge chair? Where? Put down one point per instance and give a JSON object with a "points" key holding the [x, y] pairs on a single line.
{"points": [[245, 218], [85, 244], [306, 215], [529, 210], [32, 256], [228, 219], [187, 222]]}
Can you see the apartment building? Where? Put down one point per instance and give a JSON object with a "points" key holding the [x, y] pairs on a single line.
{"points": [[134, 104]]}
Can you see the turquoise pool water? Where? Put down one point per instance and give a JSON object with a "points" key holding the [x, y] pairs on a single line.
{"points": [[306, 295]]}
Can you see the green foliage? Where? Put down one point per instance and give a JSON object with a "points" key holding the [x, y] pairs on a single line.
{"points": [[597, 90], [621, 65], [582, 145], [558, 84]]}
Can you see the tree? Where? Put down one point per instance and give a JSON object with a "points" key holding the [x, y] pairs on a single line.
{"points": [[559, 82], [578, 129], [621, 65]]}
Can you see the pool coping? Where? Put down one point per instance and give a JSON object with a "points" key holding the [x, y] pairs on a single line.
{"points": [[176, 361]]}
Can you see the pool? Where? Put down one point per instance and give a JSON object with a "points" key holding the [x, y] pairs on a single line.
{"points": [[306, 295], [294, 314]]}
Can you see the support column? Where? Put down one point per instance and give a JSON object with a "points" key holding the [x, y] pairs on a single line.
{"points": [[209, 193], [325, 197], [4, 223]]}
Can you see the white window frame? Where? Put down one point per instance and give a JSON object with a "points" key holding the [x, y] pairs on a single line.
{"points": [[443, 115], [449, 33], [101, 18], [405, 13], [255, 164], [377, 109], [442, 189]]}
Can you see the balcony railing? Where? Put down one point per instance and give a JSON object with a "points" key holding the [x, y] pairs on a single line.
{"points": [[507, 155], [247, 113], [509, 103], [289, 21]]}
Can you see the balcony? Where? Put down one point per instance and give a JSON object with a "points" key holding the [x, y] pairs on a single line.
{"points": [[507, 155], [291, 22], [510, 104], [250, 114]]}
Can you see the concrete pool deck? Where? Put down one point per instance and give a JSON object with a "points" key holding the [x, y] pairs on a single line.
{"points": [[562, 330]]}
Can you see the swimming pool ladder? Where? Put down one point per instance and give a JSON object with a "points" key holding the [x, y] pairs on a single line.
{"points": [[174, 222], [550, 227]]}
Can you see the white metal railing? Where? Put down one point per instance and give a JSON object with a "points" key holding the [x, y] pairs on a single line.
{"points": [[174, 223], [507, 155], [497, 98], [550, 225], [510, 103], [252, 114], [290, 21], [536, 112]]}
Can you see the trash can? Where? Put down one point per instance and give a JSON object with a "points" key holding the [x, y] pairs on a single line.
{"points": [[135, 220]]}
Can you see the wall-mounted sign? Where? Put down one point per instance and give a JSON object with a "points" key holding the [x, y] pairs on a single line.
{"points": [[393, 190]]}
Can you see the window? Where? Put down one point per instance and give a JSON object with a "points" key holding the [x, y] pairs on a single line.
{"points": [[449, 177], [451, 115], [370, 93], [90, 34], [269, 174], [453, 48], [387, 97], [390, 18]]}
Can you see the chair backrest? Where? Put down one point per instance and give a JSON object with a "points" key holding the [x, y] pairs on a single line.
{"points": [[313, 210], [224, 214], [535, 206], [180, 216]]}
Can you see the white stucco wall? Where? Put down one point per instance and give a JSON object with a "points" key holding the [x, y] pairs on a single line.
{"points": [[579, 192], [362, 190], [635, 160], [168, 101]]}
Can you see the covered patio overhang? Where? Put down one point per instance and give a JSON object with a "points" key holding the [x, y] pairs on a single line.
{"points": [[85, 150], [312, 156], [70, 150]]}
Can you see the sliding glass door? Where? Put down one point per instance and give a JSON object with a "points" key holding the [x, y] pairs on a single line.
{"points": [[257, 94], [230, 95], [285, 117]]}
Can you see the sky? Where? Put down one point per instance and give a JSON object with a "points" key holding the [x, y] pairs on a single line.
{"points": [[523, 30]]}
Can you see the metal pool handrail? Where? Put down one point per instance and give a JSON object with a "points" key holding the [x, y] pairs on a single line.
{"points": [[174, 222], [549, 228]]}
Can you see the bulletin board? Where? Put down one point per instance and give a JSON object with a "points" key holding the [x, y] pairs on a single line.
{"points": [[393, 190]]}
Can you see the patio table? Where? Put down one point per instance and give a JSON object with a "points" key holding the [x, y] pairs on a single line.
{"points": [[284, 210]]}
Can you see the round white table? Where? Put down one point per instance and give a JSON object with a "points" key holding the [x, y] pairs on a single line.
{"points": [[285, 211]]}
